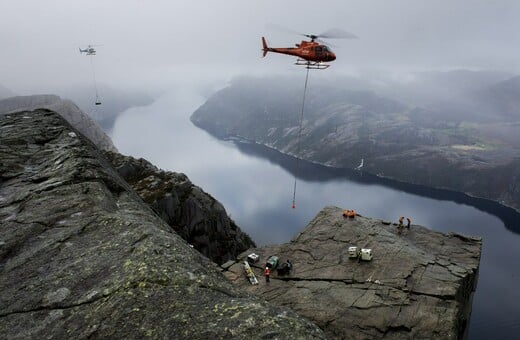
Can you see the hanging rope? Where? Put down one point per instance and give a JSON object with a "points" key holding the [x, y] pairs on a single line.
{"points": [[94, 77], [299, 137]]}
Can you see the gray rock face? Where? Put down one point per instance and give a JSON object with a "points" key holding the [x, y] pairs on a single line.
{"points": [[82, 256], [196, 216], [419, 284], [67, 109], [412, 145]]}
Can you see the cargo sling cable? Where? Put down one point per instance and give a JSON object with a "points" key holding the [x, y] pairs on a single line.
{"points": [[311, 54], [299, 137], [94, 77]]}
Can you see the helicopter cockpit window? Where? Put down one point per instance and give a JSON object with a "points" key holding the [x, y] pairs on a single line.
{"points": [[327, 49], [317, 49]]}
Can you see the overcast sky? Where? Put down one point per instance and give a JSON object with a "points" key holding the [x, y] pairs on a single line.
{"points": [[149, 43]]}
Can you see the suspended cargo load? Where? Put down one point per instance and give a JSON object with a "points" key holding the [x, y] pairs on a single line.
{"points": [[91, 51]]}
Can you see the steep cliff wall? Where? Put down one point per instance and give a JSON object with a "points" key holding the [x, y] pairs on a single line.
{"points": [[81, 255], [193, 214]]}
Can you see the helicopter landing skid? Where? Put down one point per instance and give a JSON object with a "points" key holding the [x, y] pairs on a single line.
{"points": [[315, 65]]}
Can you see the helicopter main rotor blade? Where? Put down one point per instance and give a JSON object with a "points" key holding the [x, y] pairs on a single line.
{"points": [[333, 33], [336, 33]]}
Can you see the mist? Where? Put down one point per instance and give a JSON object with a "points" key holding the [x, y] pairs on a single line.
{"points": [[151, 45], [150, 51]]}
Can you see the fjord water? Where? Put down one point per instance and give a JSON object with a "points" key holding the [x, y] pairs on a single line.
{"points": [[255, 185]]}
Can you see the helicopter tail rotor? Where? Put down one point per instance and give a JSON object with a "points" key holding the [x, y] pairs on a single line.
{"points": [[265, 49]]}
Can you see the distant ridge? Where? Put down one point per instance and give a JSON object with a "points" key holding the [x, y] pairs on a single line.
{"points": [[67, 109], [5, 92]]}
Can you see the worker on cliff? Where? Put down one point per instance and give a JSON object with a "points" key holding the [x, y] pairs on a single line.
{"points": [[400, 226], [408, 220], [267, 274]]}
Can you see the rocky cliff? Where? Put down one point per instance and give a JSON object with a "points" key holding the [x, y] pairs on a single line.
{"points": [[67, 109], [196, 216], [82, 256], [341, 127], [419, 284]]}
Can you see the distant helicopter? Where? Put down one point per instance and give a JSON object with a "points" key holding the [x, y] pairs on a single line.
{"points": [[89, 50], [314, 53]]}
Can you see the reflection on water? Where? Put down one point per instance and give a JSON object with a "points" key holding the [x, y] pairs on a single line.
{"points": [[255, 185], [318, 173], [496, 309]]}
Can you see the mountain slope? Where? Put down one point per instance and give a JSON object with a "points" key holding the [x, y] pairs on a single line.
{"points": [[409, 144], [501, 100]]}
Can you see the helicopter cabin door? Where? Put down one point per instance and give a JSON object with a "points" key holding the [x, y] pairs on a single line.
{"points": [[318, 51]]}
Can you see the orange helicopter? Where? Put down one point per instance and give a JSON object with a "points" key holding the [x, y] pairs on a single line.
{"points": [[313, 54]]}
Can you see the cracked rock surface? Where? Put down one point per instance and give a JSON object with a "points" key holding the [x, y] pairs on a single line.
{"points": [[82, 256], [419, 284]]}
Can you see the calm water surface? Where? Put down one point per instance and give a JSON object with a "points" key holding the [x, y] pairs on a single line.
{"points": [[256, 187]]}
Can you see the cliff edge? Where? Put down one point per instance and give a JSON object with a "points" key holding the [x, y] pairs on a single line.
{"points": [[418, 285], [194, 214], [82, 256]]}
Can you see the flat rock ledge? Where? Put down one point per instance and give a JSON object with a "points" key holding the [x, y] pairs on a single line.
{"points": [[82, 256], [419, 284]]}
